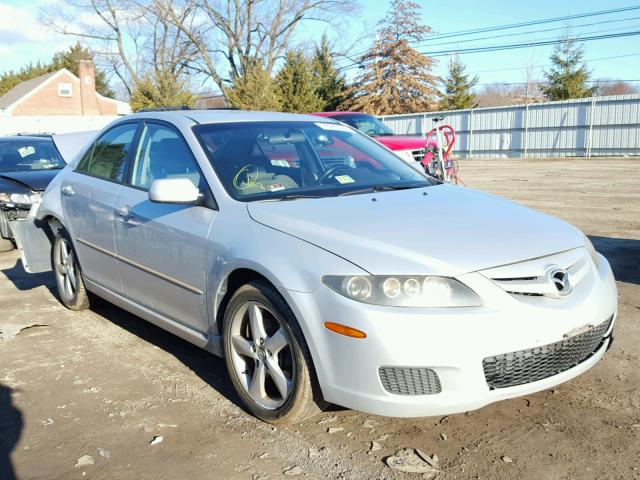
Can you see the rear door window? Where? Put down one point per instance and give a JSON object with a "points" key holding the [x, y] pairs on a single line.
{"points": [[107, 158]]}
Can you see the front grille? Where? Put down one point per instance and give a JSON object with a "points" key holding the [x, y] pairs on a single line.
{"points": [[410, 381], [526, 366], [418, 155]]}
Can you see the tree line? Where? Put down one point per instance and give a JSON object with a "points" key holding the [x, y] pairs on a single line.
{"points": [[161, 52]]}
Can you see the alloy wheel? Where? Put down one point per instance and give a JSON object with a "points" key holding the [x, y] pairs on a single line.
{"points": [[65, 267], [262, 355]]}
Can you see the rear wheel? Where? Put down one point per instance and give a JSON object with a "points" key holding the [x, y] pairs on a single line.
{"points": [[5, 245], [68, 274], [267, 357]]}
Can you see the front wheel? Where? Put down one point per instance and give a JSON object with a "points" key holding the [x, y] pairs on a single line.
{"points": [[267, 357], [68, 274]]}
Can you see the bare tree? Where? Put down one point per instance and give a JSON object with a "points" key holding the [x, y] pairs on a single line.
{"points": [[134, 39], [242, 33], [501, 94], [613, 87]]}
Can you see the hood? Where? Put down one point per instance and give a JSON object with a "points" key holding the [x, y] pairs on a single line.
{"points": [[400, 142], [450, 231], [36, 180]]}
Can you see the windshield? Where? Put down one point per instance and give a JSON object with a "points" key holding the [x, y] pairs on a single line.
{"points": [[366, 124], [286, 160], [23, 154]]}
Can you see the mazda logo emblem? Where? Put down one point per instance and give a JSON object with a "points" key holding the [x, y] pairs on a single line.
{"points": [[559, 278]]}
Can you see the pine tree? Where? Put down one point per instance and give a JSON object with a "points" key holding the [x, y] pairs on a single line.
{"points": [[297, 86], [568, 76], [395, 77], [255, 90], [160, 89], [458, 86], [70, 59], [330, 85]]}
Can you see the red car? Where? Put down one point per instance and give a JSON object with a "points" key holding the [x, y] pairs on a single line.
{"points": [[410, 148]]}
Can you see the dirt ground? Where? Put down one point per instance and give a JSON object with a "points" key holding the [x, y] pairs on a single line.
{"points": [[82, 395]]}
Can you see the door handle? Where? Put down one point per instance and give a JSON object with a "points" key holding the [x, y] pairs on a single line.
{"points": [[67, 191], [123, 212]]}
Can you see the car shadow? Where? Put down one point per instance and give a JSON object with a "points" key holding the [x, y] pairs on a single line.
{"points": [[11, 424], [210, 368], [25, 281], [623, 255]]}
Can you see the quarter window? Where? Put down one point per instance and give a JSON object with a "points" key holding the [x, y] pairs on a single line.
{"points": [[162, 153], [108, 157]]}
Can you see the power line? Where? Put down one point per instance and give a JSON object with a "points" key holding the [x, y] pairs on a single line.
{"points": [[513, 25], [588, 60], [496, 48], [535, 31], [544, 83]]}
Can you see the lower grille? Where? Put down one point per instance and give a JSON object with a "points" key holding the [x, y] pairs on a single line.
{"points": [[410, 381], [526, 366]]}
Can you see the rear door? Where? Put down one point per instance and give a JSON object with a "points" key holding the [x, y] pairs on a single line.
{"points": [[88, 197], [162, 247]]}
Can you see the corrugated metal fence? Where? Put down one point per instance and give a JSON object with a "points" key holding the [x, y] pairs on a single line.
{"points": [[598, 126]]}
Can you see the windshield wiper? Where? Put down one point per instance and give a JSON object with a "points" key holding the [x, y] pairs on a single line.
{"points": [[380, 188], [293, 196]]}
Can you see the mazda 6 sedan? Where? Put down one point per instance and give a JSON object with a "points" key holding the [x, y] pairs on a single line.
{"points": [[322, 267]]}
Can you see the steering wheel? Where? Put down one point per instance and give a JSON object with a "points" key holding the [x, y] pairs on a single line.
{"points": [[332, 173]]}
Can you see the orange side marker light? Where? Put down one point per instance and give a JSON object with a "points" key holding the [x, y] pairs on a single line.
{"points": [[344, 330]]}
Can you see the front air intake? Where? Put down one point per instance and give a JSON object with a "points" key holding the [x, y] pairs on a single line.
{"points": [[410, 380]]}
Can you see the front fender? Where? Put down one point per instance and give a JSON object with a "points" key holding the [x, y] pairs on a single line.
{"points": [[286, 261]]}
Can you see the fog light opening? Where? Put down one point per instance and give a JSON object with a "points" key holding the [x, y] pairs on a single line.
{"points": [[344, 330]]}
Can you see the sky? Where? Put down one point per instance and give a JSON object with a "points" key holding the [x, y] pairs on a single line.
{"points": [[23, 40]]}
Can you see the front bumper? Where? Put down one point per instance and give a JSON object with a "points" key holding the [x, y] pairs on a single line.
{"points": [[450, 342], [7, 215]]}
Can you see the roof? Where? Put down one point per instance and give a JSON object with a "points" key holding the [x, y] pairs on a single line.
{"points": [[228, 116], [331, 114], [23, 88], [22, 137]]}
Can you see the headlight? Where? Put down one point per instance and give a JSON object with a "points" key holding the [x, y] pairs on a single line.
{"points": [[21, 198], [404, 291], [591, 249], [4, 197]]}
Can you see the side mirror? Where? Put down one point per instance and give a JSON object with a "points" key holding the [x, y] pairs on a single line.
{"points": [[173, 190]]}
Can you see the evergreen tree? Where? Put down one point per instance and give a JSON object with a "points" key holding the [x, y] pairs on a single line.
{"points": [[330, 85], [395, 77], [255, 90], [10, 79], [458, 86], [296, 85], [68, 59], [160, 89], [568, 76]]}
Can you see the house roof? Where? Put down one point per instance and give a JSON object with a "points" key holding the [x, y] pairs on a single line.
{"points": [[23, 88]]}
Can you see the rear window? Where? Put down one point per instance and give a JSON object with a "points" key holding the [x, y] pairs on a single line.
{"points": [[18, 155]]}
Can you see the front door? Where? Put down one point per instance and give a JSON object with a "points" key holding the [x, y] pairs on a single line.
{"points": [[162, 247], [88, 197]]}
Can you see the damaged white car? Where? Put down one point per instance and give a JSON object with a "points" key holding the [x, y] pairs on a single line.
{"points": [[322, 267]]}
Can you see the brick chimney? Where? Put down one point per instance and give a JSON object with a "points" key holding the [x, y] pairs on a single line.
{"points": [[88, 99]]}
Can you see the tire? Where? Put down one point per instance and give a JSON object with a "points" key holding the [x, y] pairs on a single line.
{"points": [[246, 356], [6, 245], [71, 289]]}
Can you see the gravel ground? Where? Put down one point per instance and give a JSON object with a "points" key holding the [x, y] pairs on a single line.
{"points": [[83, 395]]}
